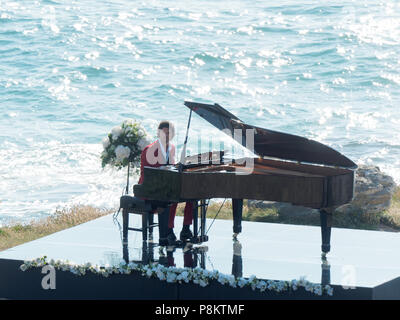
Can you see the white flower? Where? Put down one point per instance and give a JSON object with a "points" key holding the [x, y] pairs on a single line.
{"points": [[171, 277], [242, 282], [104, 273], [185, 276], [143, 142], [202, 283], [261, 284], [302, 281], [294, 284], [318, 290], [329, 290], [122, 153], [116, 132], [106, 143], [161, 275], [222, 279], [232, 282], [207, 273], [127, 122]]}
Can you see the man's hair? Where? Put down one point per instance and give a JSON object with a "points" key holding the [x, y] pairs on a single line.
{"points": [[167, 124]]}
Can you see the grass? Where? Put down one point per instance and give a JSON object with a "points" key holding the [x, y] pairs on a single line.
{"points": [[391, 217], [388, 220], [15, 234], [249, 214]]}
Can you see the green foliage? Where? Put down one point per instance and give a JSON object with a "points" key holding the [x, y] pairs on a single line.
{"points": [[260, 215], [357, 220]]}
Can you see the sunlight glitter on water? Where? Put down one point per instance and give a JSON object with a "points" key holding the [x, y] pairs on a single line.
{"points": [[70, 71]]}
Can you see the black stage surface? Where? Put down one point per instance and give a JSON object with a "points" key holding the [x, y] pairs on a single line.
{"points": [[367, 261]]}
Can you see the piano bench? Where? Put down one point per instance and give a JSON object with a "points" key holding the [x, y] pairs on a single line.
{"points": [[135, 205]]}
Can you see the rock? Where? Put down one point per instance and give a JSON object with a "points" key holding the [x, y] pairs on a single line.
{"points": [[373, 191], [373, 194]]}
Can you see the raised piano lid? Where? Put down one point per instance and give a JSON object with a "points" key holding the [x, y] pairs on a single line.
{"points": [[269, 143]]}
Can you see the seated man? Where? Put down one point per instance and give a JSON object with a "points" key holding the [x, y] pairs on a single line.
{"points": [[159, 153]]}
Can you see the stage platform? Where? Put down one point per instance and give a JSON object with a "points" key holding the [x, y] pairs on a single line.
{"points": [[367, 261]]}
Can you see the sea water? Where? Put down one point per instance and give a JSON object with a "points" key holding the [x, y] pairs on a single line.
{"points": [[72, 70]]}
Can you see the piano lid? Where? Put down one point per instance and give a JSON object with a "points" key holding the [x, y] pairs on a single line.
{"points": [[272, 143]]}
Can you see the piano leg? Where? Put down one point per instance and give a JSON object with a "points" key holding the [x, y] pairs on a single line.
{"points": [[237, 208], [125, 252], [326, 224], [237, 263], [125, 225], [145, 225], [326, 272]]}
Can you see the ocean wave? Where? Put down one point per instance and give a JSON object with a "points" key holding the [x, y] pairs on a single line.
{"points": [[55, 174], [72, 71], [93, 71]]}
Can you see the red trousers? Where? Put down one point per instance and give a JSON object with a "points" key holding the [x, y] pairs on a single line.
{"points": [[187, 215], [187, 260]]}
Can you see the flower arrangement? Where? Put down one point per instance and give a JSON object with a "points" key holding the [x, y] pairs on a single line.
{"points": [[199, 276], [124, 144]]}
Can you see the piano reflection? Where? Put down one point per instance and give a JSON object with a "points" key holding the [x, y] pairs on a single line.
{"points": [[285, 168]]}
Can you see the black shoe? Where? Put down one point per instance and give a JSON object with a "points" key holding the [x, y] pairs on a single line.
{"points": [[171, 239], [163, 242], [185, 234]]}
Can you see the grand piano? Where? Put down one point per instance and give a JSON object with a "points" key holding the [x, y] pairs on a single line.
{"points": [[285, 168]]}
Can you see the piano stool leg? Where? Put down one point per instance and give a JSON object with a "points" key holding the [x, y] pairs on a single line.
{"points": [[237, 208], [145, 225], [151, 222], [125, 225], [326, 225]]}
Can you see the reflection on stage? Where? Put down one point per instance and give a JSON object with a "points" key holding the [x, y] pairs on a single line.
{"points": [[265, 250]]}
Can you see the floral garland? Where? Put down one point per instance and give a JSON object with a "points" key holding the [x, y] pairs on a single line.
{"points": [[124, 144], [197, 275]]}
